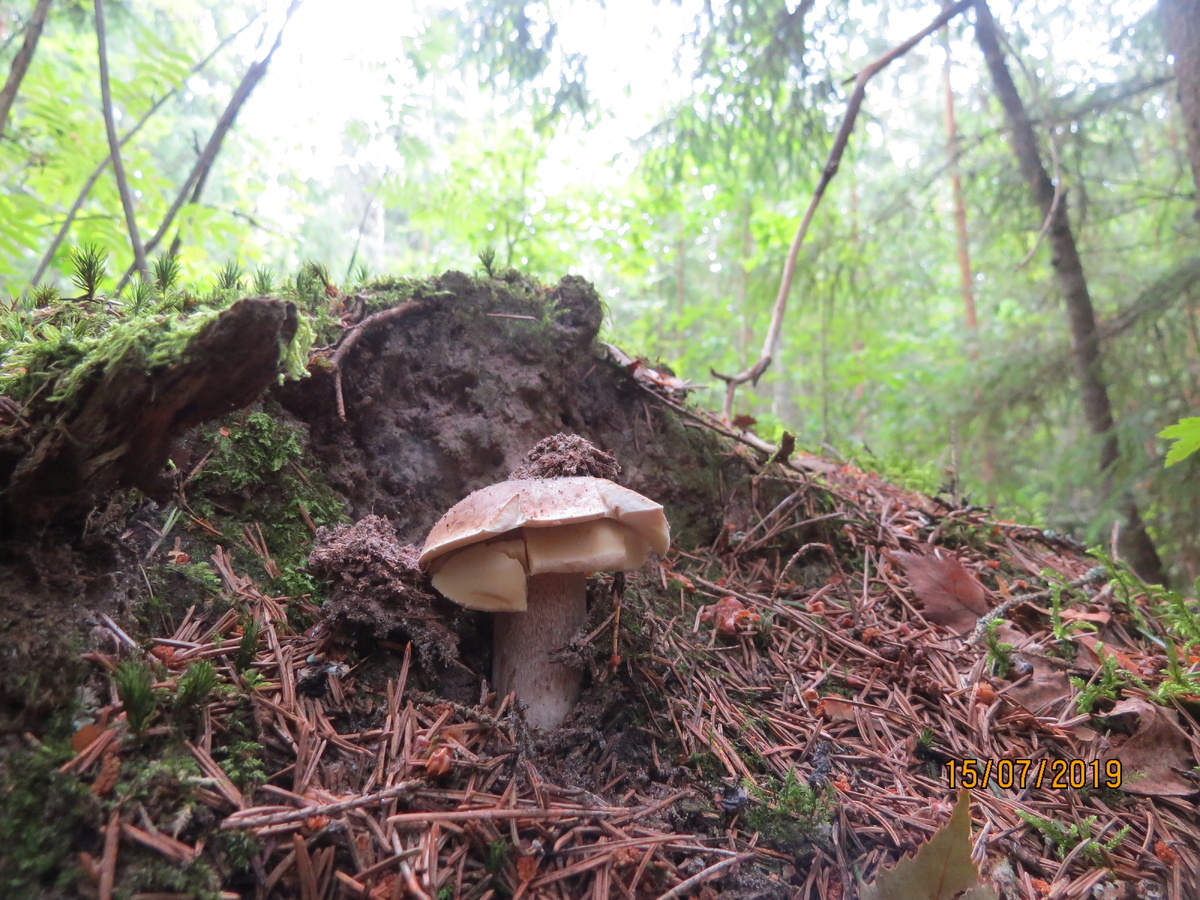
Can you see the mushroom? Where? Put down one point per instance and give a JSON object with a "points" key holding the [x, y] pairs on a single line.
{"points": [[523, 549]]}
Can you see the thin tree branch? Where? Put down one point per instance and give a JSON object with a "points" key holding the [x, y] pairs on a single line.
{"points": [[73, 212], [831, 166], [114, 147], [21, 61], [362, 223], [200, 172]]}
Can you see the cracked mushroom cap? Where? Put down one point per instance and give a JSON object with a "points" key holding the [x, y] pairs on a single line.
{"points": [[483, 549]]}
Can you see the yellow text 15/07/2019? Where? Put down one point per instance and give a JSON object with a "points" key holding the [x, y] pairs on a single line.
{"points": [[1019, 774]]}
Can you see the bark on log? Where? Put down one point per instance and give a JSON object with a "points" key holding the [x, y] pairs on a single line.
{"points": [[118, 431]]}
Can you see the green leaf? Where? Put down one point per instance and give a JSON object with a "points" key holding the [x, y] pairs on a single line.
{"points": [[1186, 434], [942, 868]]}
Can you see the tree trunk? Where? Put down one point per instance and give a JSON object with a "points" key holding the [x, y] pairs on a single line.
{"points": [[966, 275], [1181, 26], [1081, 317]]}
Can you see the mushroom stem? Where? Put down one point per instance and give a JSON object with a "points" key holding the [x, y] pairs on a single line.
{"points": [[523, 643]]}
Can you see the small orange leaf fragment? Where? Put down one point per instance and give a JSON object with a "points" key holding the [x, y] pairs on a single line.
{"points": [[438, 763], [86, 736]]}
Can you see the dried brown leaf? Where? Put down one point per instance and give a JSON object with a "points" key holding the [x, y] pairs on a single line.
{"points": [[951, 595], [1155, 754]]}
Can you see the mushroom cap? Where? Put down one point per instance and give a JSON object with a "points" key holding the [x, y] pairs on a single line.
{"points": [[543, 503]]}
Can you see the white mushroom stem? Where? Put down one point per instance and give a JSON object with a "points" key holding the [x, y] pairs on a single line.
{"points": [[523, 644]]}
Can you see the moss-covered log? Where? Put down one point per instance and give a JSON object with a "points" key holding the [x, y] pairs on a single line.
{"points": [[118, 424]]}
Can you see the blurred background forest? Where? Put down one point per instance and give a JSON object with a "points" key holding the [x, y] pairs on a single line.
{"points": [[667, 151]]}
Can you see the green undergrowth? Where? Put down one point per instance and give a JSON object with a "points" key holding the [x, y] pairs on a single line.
{"points": [[256, 480], [789, 813], [51, 345], [41, 814]]}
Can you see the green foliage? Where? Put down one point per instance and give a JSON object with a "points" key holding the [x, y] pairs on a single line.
{"points": [[260, 459], [140, 295], [230, 277], [1061, 627], [135, 687], [41, 811], [44, 295], [264, 281], [1063, 838], [1104, 686], [242, 762], [312, 281], [252, 630], [202, 575], [999, 653], [239, 849], [168, 779], [1186, 434], [789, 812], [257, 448], [1179, 681], [166, 270], [497, 856], [89, 265], [487, 258], [197, 682]]}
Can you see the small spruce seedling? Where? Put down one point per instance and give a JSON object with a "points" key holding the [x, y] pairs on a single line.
{"points": [[140, 294], [487, 258], [135, 687], [90, 265], [196, 684], [166, 272], [230, 277], [44, 294], [264, 281], [248, 646]]}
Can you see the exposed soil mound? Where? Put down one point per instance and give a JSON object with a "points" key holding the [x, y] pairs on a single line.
{"points": [[460, 377]]}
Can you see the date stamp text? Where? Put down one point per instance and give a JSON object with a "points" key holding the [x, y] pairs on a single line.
{"points": [[1019, 774]]}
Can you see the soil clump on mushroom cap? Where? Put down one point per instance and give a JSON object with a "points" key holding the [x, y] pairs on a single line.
{"points": [[784, 682]]}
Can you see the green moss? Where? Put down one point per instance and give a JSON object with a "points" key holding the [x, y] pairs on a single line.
{"points": [[788, 812], [242, 762], [145, 871], [74, 343], [167, 779], [41, 815], [707, 764], [238, 849], [257, 468]]}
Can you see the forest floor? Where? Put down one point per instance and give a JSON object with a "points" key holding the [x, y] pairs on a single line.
{"points": [[246, 688]]}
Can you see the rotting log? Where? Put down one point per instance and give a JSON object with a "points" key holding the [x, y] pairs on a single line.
{"points": [[118, 430]]}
